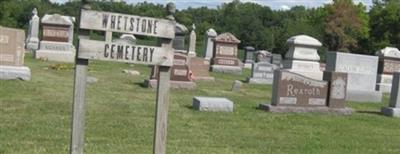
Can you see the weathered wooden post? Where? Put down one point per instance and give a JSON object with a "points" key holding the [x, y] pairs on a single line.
{"points": [[161, 121], [161, 56]]}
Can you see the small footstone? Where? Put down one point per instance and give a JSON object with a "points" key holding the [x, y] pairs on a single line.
{"points": [[214, 104], [236, 85], [91, 79]]}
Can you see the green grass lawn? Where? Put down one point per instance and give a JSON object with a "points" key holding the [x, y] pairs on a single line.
{"points": [[35, 117]]}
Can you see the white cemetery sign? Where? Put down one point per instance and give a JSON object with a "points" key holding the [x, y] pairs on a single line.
{"points": [[107, 50]]}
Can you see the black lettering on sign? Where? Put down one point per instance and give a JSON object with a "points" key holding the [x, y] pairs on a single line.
{"points": [[105, 20], [129, 23], [127, 52]]}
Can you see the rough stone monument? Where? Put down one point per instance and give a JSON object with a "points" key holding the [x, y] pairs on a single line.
{"points": [[361, 75], [12, 53], [225, 54], [389, 62], [32, 41], [200, 69], [181, 76], [209, 43], [262, 73], [302, 57], [393, 110], [58, 34], [263, 56], [192, 42], [249, 56], [293, 92], [179, 40], [126, 39]]}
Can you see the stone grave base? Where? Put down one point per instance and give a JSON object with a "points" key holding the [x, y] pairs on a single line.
{"points": [[247, 65], [259, 81], [364, 96], [214, 104], [15, 72], [59, 56], [391, 112], [384, 87], [204, 78], [226, 69], [152, 83], [296, 109]]}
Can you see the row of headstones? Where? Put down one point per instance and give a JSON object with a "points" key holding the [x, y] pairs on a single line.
{"points": [[302, 58]]}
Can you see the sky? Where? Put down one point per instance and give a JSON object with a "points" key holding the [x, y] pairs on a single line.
{"points": [[274, 4]]}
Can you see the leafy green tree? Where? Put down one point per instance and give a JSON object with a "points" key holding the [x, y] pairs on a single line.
{"points": [[385, 24], [346, 24]]}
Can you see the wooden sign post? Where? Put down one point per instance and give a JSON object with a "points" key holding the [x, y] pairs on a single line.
{"points": [[162, 56]]}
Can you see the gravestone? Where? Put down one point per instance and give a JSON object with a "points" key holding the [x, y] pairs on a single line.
{"points": [[179, 40], [32, 42], [302, 57], [209, 43], [277, 60], [293, 92], [126, 39], [393, 110], [249, 56], [389, 62], [214, 104], [12, 54], [56, 44], [361, 73], [236, 85], [200, 69], [264, 56], [225, 55], [181, 76], [262, 73], [192, 42]]}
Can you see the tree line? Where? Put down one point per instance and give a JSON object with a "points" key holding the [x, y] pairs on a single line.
{"points": [[341, 26]]}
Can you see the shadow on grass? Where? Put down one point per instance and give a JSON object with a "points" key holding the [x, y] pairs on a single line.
{"points": [[189, 107], [141, 84], [370, 112]]}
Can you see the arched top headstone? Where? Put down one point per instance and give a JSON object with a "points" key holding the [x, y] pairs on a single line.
{"points": [[303, 40], [211, 32], [227, 38], [389, 52]]}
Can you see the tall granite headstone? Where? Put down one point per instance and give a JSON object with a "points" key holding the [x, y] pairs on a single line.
{"points": [[302, 57], [58, 34], [389, 62], [225, 54], [32, 41], [179, 40], [277, 59], [362, 74], [209, 43], [12, 53], [192, 42], [393, 109], [249, 56]]}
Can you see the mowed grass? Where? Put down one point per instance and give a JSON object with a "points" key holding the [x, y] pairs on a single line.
{"points": [[35, 117]]}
